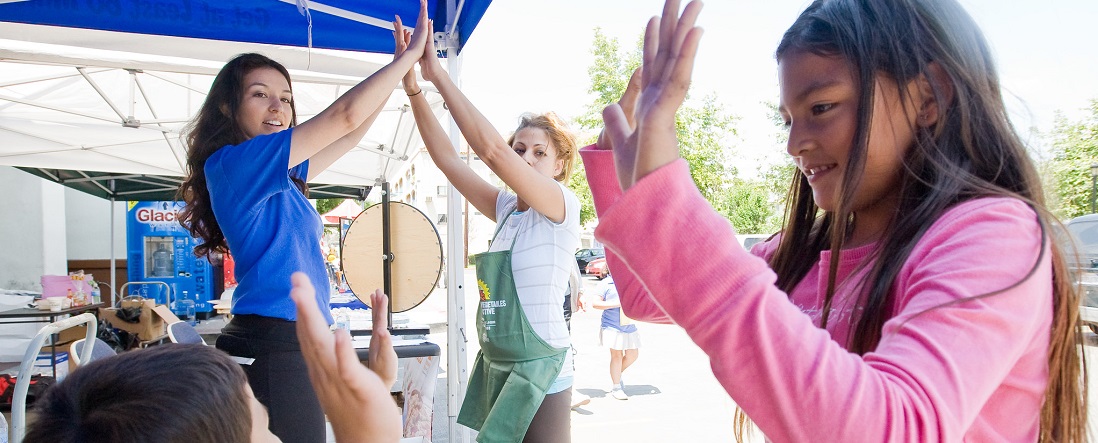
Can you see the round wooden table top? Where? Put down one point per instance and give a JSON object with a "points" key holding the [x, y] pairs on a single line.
{"points": [[417, 255]]}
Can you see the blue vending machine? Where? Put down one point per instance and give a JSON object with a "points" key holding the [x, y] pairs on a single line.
{"points": [[160, 250]]}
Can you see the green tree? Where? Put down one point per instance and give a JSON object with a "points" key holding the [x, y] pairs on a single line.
{"points": [[704, 128], [1074, 150], [758, 205], [327, 204]]}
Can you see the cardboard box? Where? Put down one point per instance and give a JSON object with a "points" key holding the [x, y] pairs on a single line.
{"points": [[151, 325]]}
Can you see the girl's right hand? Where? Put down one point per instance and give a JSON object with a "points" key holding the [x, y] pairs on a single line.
{"points": [[670, 44]]}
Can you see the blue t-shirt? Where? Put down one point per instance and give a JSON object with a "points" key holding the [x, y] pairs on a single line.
{"points": [[271, 228], [611, 318]]}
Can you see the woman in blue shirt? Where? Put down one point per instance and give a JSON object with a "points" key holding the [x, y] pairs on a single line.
{"points": [[248, 162]]}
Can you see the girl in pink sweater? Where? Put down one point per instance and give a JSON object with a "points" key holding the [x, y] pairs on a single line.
{"points": [[914, 294]]}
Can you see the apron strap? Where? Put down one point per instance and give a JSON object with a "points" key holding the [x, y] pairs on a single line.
{"points": [[499, 227]]}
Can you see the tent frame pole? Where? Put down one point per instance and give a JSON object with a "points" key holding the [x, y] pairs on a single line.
{"points": [[457, 371]]}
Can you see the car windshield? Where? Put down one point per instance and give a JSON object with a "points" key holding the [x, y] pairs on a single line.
{"points": [[1086, 234]]}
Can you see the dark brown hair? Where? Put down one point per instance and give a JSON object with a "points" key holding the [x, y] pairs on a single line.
{"points": [[170, 393], [971, 152], [213, 128]]}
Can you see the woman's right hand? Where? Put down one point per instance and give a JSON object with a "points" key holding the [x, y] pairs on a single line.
{"points": [[428, 63], [402, 39], [422, 34]]}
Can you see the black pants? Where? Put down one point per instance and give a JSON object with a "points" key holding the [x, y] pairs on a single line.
{"points": [[278, 376]]}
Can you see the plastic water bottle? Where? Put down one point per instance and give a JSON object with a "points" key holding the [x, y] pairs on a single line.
{"points": [[162, 262], [96, 295], [188, 309], [342, 321]]}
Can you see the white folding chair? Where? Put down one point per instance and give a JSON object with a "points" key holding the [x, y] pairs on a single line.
{"points": [[22, 384], [183, 332], [99, 350]]}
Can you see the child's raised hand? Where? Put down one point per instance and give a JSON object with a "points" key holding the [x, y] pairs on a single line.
{"points": [[625, 122], [383, 358], [628, 103], [670, 44], [356, 401]]}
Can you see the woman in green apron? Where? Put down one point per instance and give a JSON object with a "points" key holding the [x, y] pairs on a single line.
{"points": [[520, 385]]}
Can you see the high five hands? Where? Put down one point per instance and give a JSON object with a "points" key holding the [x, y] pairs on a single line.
{"points": [[428, 61], [670, 45], [413, 42]]}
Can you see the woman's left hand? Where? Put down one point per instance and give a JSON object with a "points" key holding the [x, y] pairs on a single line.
{"points": [[355, 399], [401, 39]]}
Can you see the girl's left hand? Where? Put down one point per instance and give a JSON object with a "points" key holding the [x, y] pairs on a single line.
{"points": [[670, 45], [355, 399]]}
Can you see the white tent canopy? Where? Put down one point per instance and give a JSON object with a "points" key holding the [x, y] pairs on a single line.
{"points": [[64, 107]]}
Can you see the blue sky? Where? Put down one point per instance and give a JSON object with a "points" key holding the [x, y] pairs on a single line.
{"points": [[533, 56]]}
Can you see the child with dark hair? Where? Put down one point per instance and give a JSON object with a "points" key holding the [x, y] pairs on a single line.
{"points": [[169, 393], [914, 294], [178, 393]]}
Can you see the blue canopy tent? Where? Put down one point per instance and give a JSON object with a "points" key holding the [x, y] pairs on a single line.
{"points": [[347, 25], [94, 93]]}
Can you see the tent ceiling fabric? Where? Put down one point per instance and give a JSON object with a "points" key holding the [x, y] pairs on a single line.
{"points": [[347, 25]]}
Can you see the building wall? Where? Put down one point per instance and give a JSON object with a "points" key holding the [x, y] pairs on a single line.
{"points": [[32, 230], [89, 220]]}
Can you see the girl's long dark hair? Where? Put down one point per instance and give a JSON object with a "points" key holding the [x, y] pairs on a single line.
{"points": [[971, 152], [213, 128]]}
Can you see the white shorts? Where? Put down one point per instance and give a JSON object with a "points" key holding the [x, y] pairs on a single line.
{"points": [[617, 340]]}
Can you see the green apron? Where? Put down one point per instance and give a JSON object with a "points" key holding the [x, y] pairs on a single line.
{"points": [[515, 367]]}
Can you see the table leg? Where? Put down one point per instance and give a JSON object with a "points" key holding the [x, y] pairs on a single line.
{"points": [[53, 350]]}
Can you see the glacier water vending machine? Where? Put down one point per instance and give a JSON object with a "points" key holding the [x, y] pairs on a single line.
{"points": [[160, 250]]}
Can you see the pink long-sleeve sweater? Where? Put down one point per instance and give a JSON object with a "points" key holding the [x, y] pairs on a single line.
{"points": [[974, 370]]}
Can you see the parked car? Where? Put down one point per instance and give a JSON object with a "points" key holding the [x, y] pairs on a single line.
{"points": [[597, 267], [749, 240], [1082, 258], [584, 256]]}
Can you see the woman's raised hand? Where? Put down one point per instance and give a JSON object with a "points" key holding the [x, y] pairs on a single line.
{"points": [[402, 38], [670, 44], [422, 33], [429, 64]]}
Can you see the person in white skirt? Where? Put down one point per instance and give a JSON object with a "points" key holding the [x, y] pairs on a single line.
{"points": [[617, 333]]}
